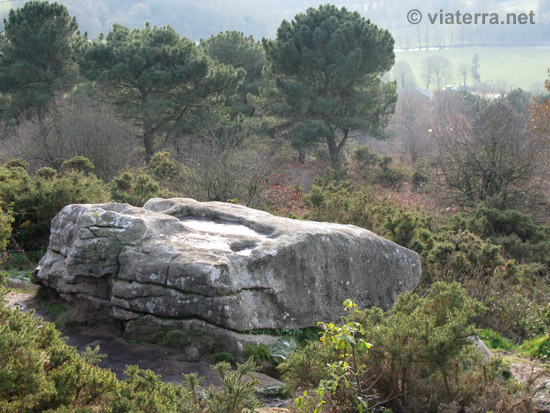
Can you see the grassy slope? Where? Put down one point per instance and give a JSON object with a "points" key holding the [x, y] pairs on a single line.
{"points": [[523, 67]]}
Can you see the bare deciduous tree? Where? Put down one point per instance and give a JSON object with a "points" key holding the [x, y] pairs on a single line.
{"points": [[411, 122], [463, 71], [223, 172], [475, 70], [438, 68], [74, 127], [485, 151], [404, 76]]}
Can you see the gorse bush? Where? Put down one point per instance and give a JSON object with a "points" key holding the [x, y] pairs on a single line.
{"points": [[518, 236], [34, 201], [389, 176], [306, 367], [500, 257], [346, 202], [416, 357], [5, 230], [40, 372], [136, 188]]}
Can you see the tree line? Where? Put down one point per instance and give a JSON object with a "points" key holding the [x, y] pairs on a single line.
{"points": [[317, 81]]}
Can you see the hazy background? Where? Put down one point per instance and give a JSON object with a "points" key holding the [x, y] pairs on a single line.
{"points": [[198, 19], [513, 55]]}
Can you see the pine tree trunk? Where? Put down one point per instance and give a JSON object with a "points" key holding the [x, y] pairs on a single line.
{"points": [[334, 152]]}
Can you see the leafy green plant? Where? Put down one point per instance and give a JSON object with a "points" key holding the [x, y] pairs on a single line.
{"points": [[258, 352], [237, 394], [344, 386], [93, 355], [346, 202], [494, 340], [420, 359], [5, 232], [143, 391], [223, 356], [40, 372], [538, 347], [79, 163], [306, 366], [389, 176]]}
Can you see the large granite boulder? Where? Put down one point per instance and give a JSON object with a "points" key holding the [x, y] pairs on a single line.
{"points": [[179, 271]]}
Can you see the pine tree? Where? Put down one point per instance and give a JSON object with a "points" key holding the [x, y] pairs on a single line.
{"points": [[35, 56], [329, 63]]}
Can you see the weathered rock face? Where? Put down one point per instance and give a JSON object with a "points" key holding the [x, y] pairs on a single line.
{"points": [[218, 270]]}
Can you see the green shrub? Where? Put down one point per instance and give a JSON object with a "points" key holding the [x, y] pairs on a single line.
{"points": [[516, 312], [420, 359], [223, 356], [497, 260], [350, 203], [164, 169], [40, 372], [34, 201], [306, 367], [16, 163], [465, 258], [136, 189], [237, 394], [518, 236], [5, 231], [46, 173], [365, 158], [79, 164], [258, 352], [538, 347], [392, 177], [494, 340], [144, 392], [419, 178]]}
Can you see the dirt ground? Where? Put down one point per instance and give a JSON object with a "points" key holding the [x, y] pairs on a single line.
{"points": [[535, 374], [167, 362]]}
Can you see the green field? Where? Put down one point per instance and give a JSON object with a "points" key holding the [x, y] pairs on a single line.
{"points": [[524, 67], [5, 6]]}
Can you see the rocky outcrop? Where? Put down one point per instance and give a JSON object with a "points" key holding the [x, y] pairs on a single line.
{"points": [[179, 269]]}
